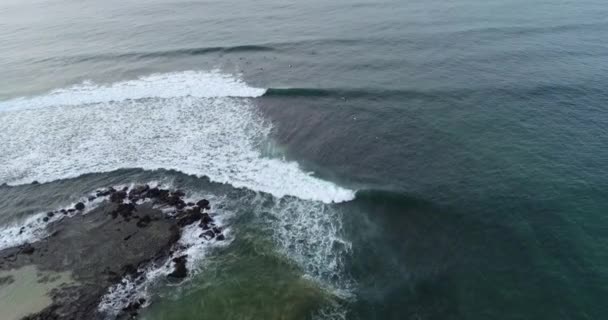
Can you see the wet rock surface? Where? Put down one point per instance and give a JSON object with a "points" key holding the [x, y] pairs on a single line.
{"points": [[110, 242]]}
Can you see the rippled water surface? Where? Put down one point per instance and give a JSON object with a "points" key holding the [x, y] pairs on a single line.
{"points": [[372, 159]]}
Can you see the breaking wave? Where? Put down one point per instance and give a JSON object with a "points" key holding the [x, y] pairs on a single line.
{"points": [[201, 123]]}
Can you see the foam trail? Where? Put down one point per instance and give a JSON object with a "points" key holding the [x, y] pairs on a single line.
{"points": [[188, 121], [169, 85]]}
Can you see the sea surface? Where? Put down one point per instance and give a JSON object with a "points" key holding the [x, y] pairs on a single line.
{"points": [[387, 159]]}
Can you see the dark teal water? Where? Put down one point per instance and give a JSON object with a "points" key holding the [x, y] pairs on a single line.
{"points": [[474, 132]]}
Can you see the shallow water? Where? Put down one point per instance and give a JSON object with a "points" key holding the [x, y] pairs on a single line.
{"points": [[27, 290], [374, 159]]}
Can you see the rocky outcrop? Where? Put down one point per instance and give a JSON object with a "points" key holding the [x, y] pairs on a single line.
{"points": [[112, 241]]}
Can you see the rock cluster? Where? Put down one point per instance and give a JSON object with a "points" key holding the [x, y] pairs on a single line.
{"points": [[129, 228]]}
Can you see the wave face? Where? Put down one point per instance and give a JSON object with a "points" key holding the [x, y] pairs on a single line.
{"points": [[194, 122]]}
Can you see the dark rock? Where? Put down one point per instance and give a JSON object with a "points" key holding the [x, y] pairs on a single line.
{"points": [[163, 194], [129, 269], [220, 237], [176, 233], [203, 204], [45, 219], [21, 230], [118, 196], [189, 217], [140, 189], [35, 182], [106, 192], [50, 214], [173, 200], [64, 211], [179, 193], [6, 280], [71, 210], [114, 277], [132, 308], [144, 221], [125, 189], [79, 206], [153, 193], [27, 249], [208, 235], [217, 230], [190, 204], [91, 198], [125, 209], [180, 271], [206, 219]]}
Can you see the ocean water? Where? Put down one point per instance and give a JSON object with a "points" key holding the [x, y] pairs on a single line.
{"points": [[372, 159]]}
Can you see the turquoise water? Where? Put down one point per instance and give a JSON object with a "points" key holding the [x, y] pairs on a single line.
{"points": [[378, 159]]}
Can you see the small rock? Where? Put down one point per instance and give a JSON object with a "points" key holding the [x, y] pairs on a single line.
{"points": [[180, 271], [106, 192], [153, 193], [71, 210], [190, 204], [189, 217], [220, 237], [144, 221], [118, 196], [203, 204], [206, 219], [35, 182], [208, 235], [27, 249], [129, 269], [140, 189], [176, 233], [50, 214], [79, 206], [45, 219], [217, 230]]}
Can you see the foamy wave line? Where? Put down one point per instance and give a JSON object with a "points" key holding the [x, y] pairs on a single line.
{"points": [[167, 85], [188, 121]]}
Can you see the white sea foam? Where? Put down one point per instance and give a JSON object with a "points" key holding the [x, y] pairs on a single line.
{"points": [[168, 85], [190, 121], [310, 233]]}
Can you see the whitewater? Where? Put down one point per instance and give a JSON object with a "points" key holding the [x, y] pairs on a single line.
{"points": [[199, 123]]}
